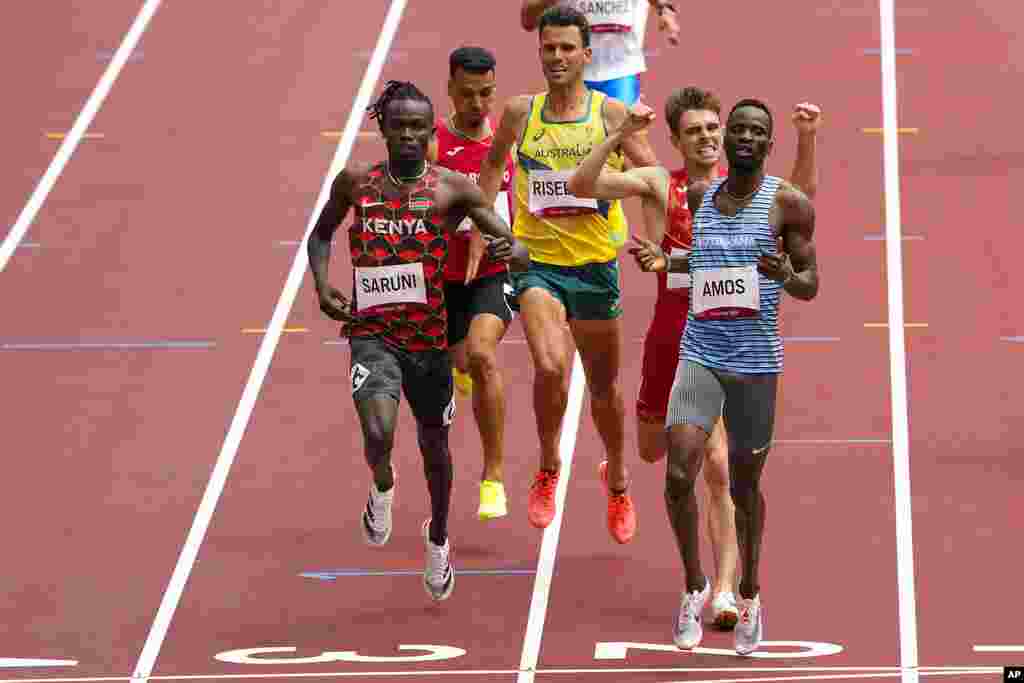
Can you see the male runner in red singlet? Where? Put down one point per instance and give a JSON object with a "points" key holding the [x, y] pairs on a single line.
{"points": [[479, 311], [692, 115], [406, 210]]}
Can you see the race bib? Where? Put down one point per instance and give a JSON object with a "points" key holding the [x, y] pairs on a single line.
{"points": [[382, 285], [607, 16], [549, 195], [726, 293], [679, 280], [500, 208]]}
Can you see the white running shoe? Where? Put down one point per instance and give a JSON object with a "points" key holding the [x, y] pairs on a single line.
{"points": [[439, 576], [688, 629], [377, 515], [750, 627], [723, 610]]}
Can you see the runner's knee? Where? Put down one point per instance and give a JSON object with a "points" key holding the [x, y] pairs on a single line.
{"points": [[482, 360], [378, 434], [685, 441], [679, 480], [745, 467]]}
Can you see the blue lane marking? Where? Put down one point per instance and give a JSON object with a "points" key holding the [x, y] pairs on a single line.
{"points": [[1012, 339], [333, 574], [105, 346]]}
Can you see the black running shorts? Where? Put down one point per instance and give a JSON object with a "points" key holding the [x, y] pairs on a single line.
{"points": [[491, 294], [379, 368]]}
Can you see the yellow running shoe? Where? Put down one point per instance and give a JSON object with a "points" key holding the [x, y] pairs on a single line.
{"points": [[463, 382], [492, 500]]}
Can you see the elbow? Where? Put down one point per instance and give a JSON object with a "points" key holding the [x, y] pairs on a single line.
{"points": [[579, 187]]}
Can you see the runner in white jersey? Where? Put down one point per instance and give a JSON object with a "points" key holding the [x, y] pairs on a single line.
{"points": [[752, 240], [617, 30]]}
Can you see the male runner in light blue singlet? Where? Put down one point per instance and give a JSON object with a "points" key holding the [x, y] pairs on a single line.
{"points": [[752, 240]]}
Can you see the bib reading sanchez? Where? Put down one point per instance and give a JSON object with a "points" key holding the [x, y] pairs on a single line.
{"points": [[399, 245], [556, 227]]}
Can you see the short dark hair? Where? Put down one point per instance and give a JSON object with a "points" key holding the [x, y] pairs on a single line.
{"points": [[397, 90], [685, 99], [753, 102], [474, 60], [561, 15]]}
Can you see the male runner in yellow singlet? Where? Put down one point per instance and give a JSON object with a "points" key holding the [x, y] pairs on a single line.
{"points": [[572, 242]]}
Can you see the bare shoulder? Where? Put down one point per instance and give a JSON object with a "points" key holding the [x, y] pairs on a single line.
{"points": [[350, 177]]}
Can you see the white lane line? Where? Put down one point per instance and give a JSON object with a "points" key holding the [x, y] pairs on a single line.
{"points": [[897, 352], [998, 648], [888, 670], [176, 585], [85, 117], [549, 543]]}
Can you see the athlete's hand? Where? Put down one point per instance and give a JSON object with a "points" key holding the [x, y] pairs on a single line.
{"points": [[776, 266], [334, 304], [649, 256], [638, 118], [668, 25], [477, 245], [807, 118], [518, 258]]}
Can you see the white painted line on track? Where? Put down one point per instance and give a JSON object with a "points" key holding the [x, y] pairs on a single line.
{"points": [[549, 543], [998, 648], [85, 117], [897, 351], [889, 671], [214, 488]]}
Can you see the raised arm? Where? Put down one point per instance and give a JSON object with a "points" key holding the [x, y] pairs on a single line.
{"points": [[667, 23], [796, 264], [492, 169], [637, 147], [333, 303], [592, 179], [806, 120], [529, 15]]}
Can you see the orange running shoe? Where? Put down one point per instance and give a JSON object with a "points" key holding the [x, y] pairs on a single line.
{"points": [[621, 513], [541, 502]]}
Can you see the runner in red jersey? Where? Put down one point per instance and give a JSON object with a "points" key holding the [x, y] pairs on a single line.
{"points": [[479, 310], [692, 115], [406, 211]]}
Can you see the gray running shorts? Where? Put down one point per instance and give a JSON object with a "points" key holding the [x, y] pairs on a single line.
{"points": [[701, 395]]}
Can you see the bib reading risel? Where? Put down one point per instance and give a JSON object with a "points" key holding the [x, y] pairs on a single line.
{"points": [[549, 195], [382, 285], [726, 293]]}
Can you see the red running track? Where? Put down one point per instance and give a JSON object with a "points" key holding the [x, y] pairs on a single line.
{"points": [[182, 222]]}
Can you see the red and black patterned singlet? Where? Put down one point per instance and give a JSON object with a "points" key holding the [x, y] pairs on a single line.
{"points": [[399, 246]]}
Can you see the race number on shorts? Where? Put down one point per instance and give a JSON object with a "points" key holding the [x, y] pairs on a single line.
{"points": [[549, 195], [383, 285], [679, 280], [726, 293]]}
